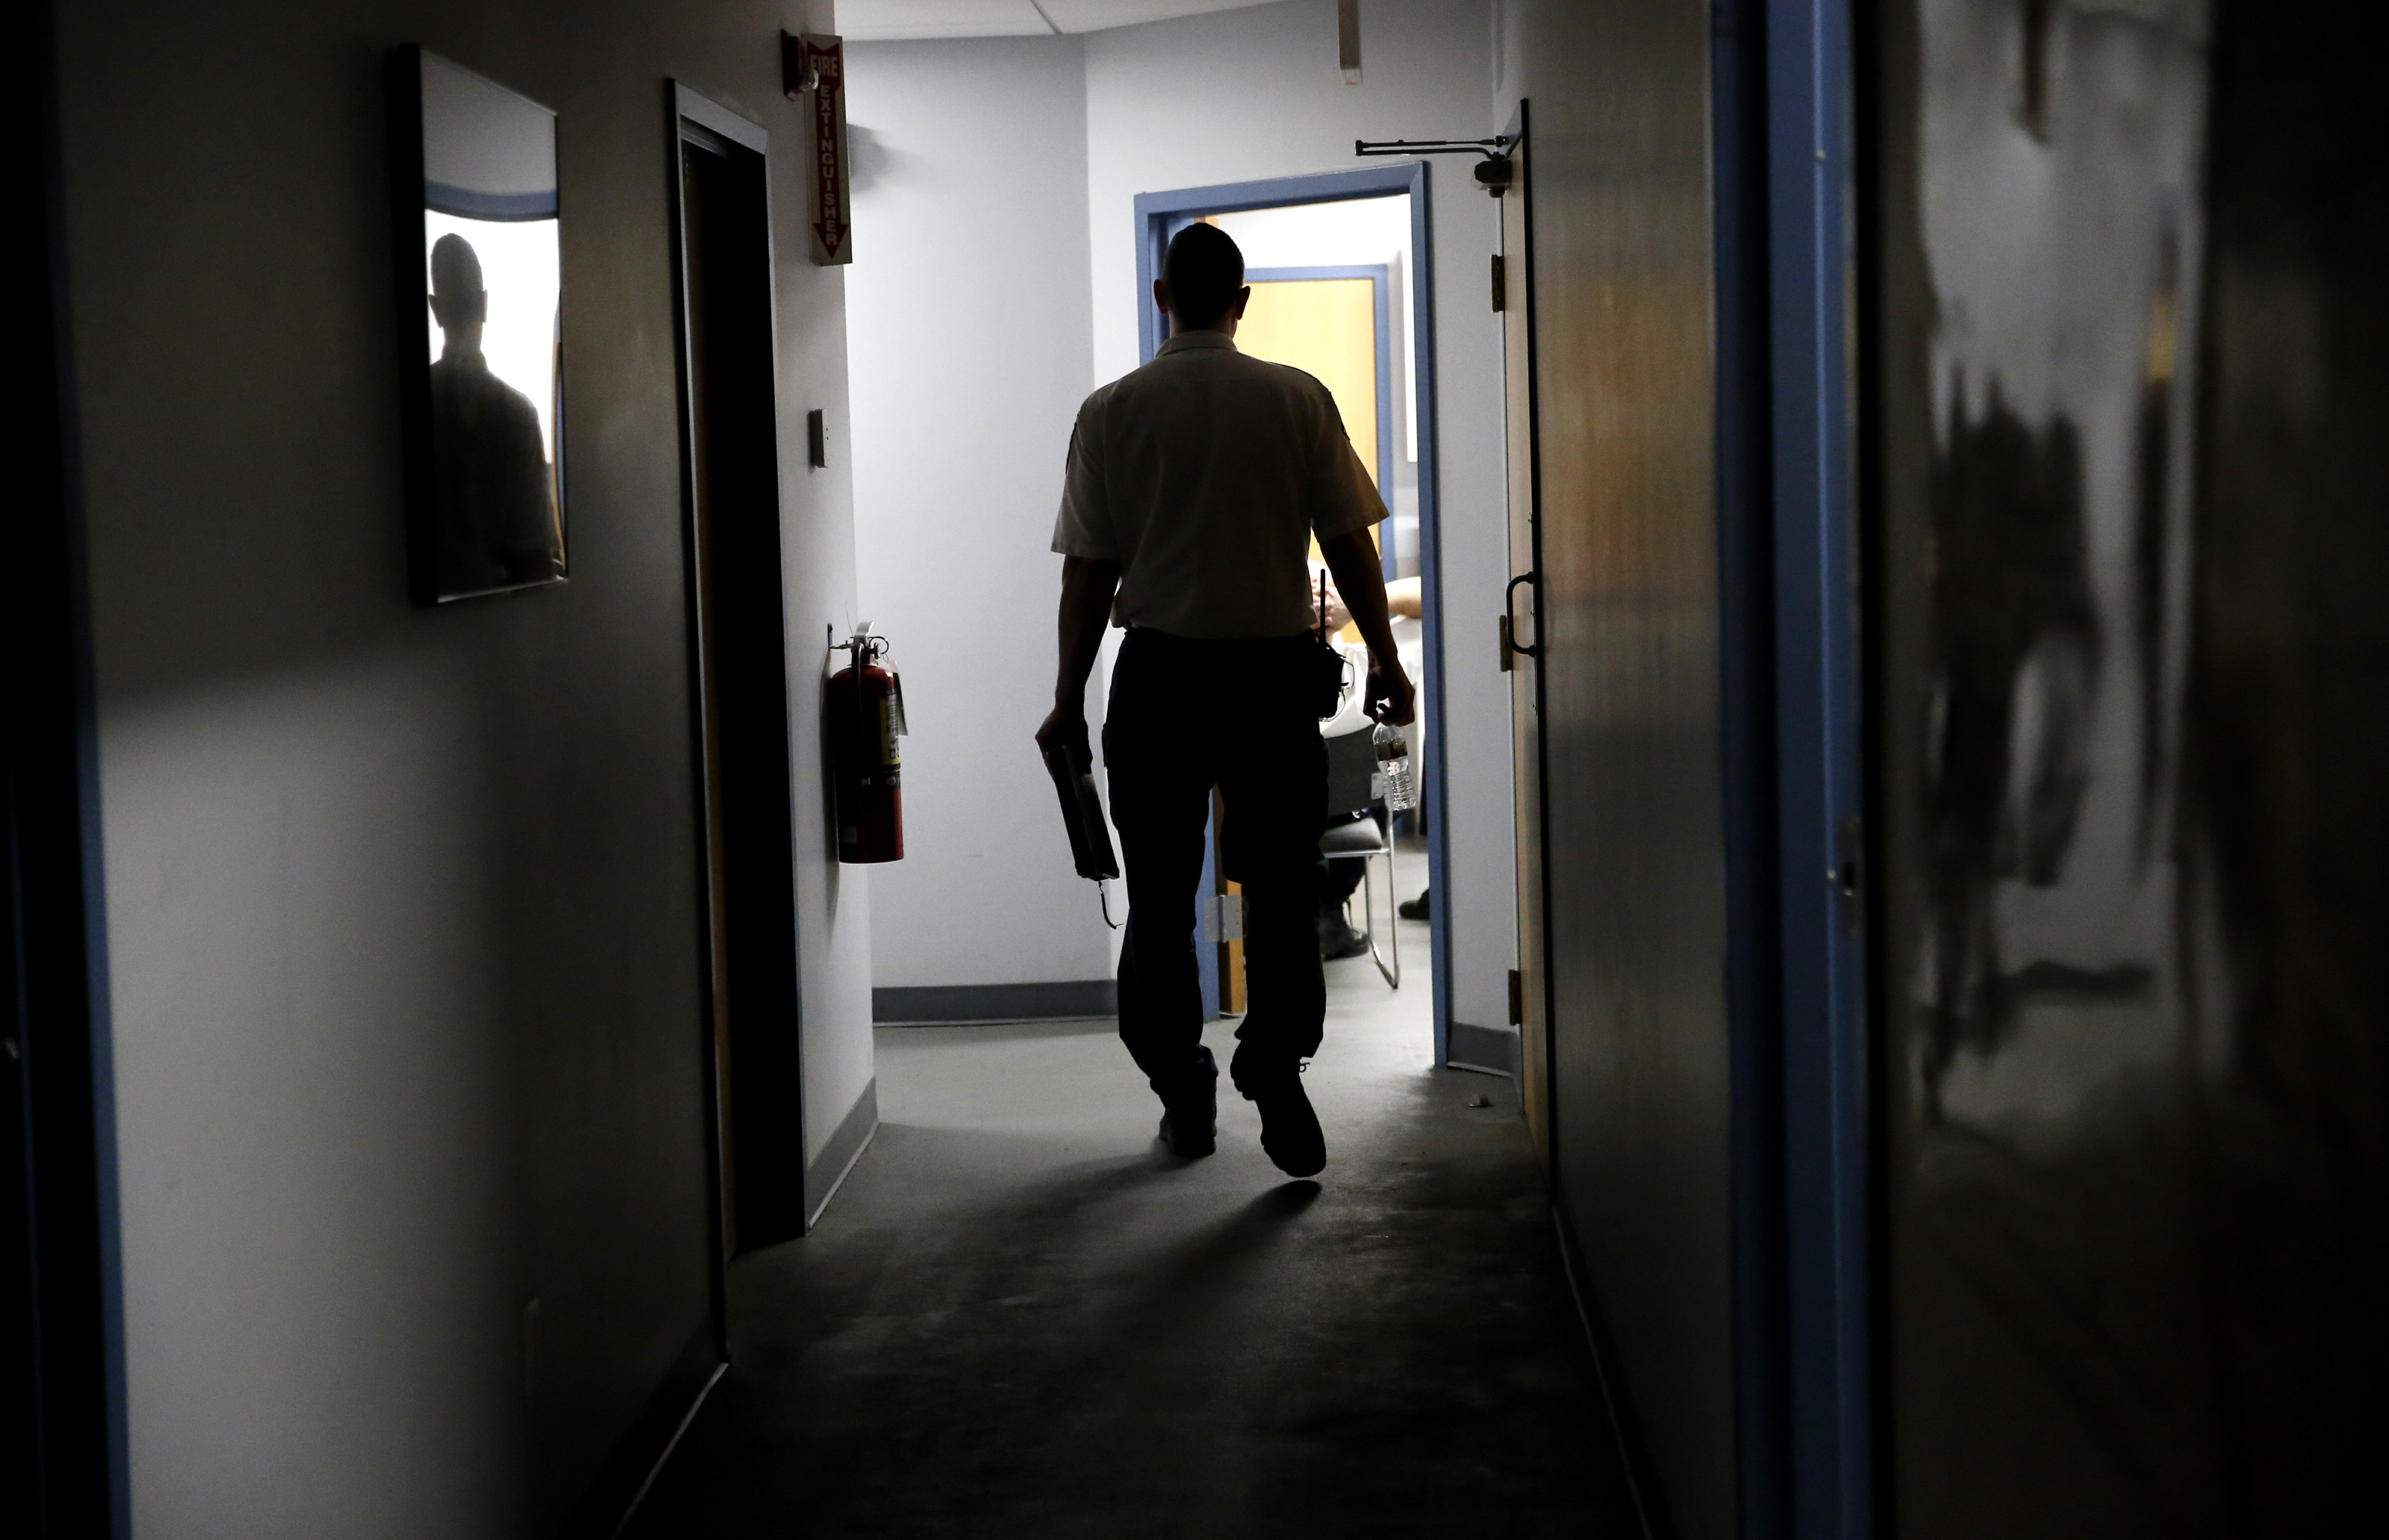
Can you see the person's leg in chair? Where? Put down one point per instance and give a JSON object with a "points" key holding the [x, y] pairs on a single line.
{"points": [[1338, 881]]}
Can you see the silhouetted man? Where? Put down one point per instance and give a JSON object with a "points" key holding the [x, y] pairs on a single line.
{"points": [[1194, 487], [496, 501]]}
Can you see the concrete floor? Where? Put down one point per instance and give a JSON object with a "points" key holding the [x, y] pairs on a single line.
{"points": [[1022, 1318]]}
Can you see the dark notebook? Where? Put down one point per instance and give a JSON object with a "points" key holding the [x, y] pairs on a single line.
{"points": [[1082, 814]]}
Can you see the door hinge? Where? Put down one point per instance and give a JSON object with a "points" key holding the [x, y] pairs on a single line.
{"points": [[1223, 918], [1517, 998], [1500, 281]]}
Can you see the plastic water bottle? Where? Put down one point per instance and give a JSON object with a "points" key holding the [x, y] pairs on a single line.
{"points": [[1394, 778]]}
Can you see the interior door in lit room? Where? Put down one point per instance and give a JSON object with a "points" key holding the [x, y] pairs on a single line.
{"points": [[1331, 323]]}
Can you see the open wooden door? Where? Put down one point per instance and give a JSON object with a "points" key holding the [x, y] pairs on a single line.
{"points": [[1521, 632]]}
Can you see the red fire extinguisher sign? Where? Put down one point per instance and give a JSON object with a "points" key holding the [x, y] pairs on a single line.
{"points": [[862, 711]]}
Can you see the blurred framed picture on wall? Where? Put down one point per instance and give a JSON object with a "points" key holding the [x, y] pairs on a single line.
{"points": [[480, 348]]}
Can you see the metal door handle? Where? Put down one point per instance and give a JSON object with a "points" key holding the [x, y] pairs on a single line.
{"points": [[1510, 615]]}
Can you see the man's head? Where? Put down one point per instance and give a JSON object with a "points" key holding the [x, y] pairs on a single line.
{"points": [[458, 301], [1202, 282]]}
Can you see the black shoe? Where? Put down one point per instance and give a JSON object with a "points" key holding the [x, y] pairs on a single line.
{"points": [[1290, 1132], [1413, 908], [1337, 940], [1190, 1123], [1336, 949]]}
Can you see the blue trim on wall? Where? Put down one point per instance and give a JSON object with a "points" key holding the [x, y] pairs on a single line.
{"points": [[1160, 215], [494, 208], [1794, 792], [1820, 781]]}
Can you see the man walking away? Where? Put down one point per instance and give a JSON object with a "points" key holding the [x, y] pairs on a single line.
{"points": [[1194, 487]]}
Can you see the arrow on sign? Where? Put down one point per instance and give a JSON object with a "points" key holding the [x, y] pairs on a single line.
{"points": [[827, 59]]}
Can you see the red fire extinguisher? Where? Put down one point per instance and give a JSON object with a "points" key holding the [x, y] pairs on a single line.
{"points": [[862, 711]]}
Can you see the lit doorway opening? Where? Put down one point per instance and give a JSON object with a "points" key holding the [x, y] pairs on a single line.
{"points": [[1341, 266]]}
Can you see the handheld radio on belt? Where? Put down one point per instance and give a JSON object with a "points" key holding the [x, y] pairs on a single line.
{"points": [[1326, 665]]}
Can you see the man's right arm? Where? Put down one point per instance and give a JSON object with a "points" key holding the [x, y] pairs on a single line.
{"points": [[1343, 506], [1361, 582], [1086, 589]]}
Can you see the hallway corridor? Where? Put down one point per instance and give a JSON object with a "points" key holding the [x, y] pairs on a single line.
{"points": [[1022, 1318]]}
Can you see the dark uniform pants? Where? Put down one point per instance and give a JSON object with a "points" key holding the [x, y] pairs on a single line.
{"points": [[1186, 716]]}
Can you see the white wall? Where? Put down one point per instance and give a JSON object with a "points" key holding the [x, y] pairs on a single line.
{"points": [[820, 567], [969, 310], [1248, 95], [403, 952]]}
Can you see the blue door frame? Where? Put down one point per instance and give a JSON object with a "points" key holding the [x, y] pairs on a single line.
{"points": [[1160, 215], [1794, 786], [1821, 787], [1786, 459]]}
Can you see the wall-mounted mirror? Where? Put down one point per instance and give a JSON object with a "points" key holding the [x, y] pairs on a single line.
{"points": [[479, 295]]}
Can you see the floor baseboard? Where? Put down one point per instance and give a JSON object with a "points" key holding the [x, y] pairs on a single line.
{"points": [[1631, 1452], [1486, 1049], [953, 1004], [605, 1512], [827, 1172]]}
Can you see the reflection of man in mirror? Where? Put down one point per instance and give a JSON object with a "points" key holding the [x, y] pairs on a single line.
{"points": [[496, 512]]}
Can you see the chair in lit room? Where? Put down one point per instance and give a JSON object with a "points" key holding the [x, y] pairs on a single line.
{"points": [[1352, 788]]}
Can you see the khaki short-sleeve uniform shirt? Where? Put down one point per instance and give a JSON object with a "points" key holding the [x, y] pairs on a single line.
{"points": [[1206, 474]]}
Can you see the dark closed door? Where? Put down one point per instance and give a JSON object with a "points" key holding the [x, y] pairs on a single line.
{"points": [[740, 661]]}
